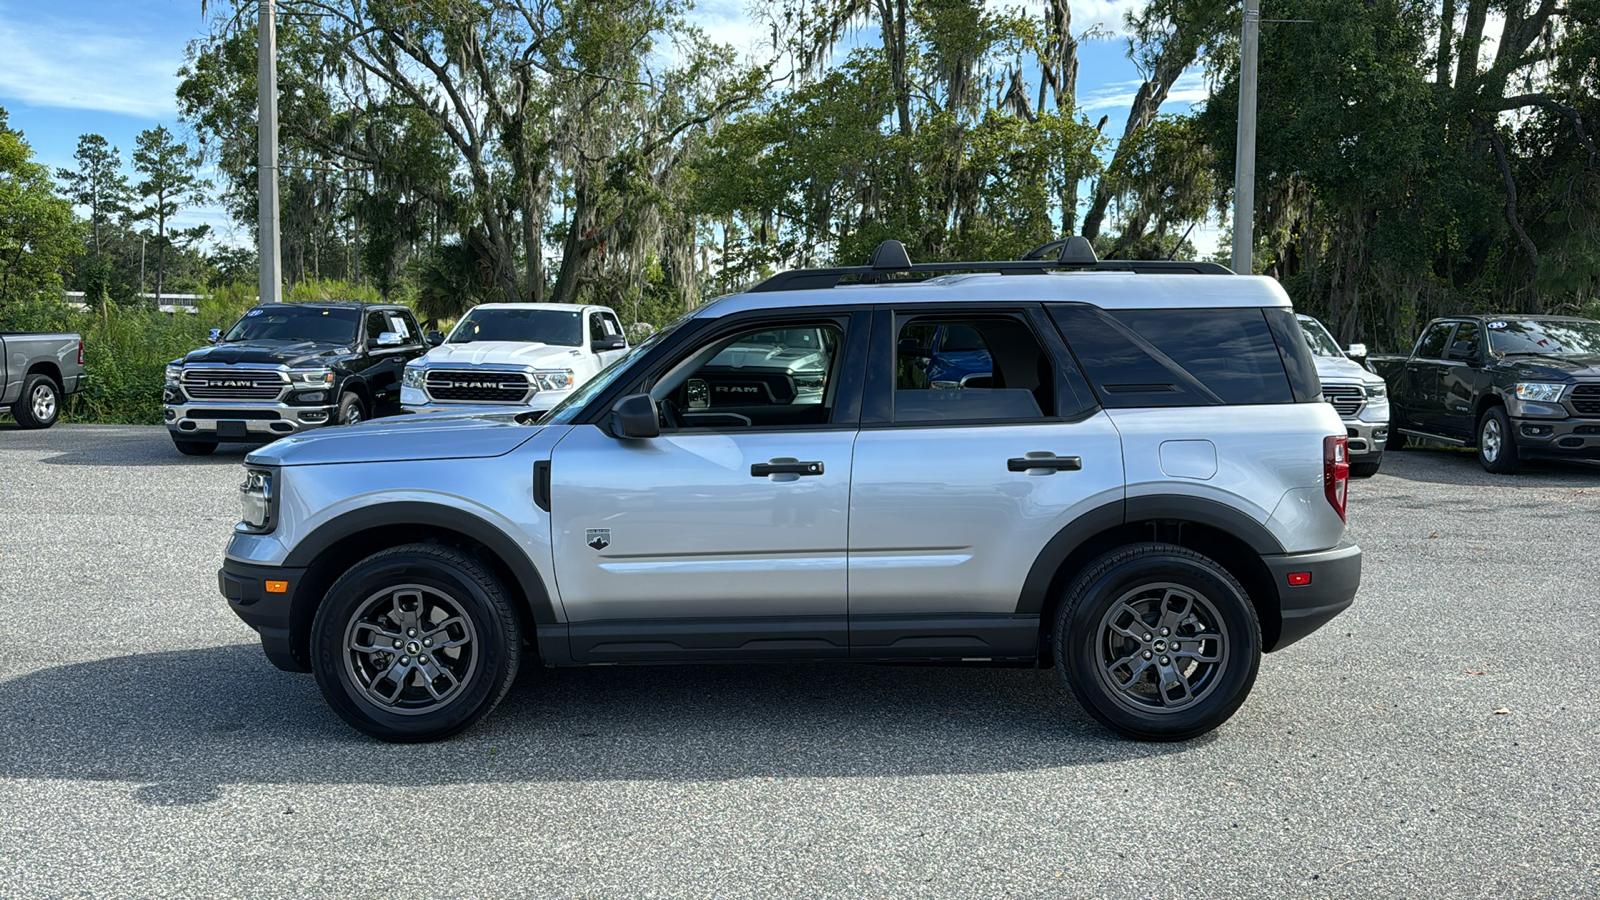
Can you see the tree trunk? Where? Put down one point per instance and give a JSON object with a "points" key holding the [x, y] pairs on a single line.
{"points": [[1447, 24], [1471, 41]]}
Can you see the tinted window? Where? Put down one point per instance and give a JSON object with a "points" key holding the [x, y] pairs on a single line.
{"points": [[1297, 361], [977, 369], [1230, 351], [548, 326], [1125, 370], [1467, 340], [289, 323], [1432, 344]]}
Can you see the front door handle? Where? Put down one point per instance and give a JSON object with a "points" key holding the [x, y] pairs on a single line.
{"points": [[786, 465], [1045, 461]]}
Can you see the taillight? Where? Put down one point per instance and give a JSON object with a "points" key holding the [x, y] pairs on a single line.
{"points": [[1336, 471], [80, 351]]}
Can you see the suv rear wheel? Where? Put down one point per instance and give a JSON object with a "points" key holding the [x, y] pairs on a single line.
{"points": [[415, 643], [1157, 642]]}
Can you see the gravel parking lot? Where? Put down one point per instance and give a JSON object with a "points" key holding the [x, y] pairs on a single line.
{"points": [[1440, 738]]}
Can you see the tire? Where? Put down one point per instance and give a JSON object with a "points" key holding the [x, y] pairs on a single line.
{"points": [[1497, 449], [194, 448], [40, 403], [351, 410], [1157, 586], [1397, 440], [412, 595], [1366, 468]]}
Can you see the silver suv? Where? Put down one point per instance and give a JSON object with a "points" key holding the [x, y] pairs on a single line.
{"points": [[1146, 493]]}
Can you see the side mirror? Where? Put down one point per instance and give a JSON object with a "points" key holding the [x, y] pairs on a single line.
{"points": [[214, 335], [1357, 351], [634, 418], [609, 342], [435, 338], [386, 339]]}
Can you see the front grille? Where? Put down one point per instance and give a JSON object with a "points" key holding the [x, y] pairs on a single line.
{"points": [[234, 384], [478, 387], [1346, 398], [1586, 399]]}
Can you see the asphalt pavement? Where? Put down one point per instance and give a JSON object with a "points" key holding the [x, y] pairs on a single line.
{"points": [[1441, 738]]}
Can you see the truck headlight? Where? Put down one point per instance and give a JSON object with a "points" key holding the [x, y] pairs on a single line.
{"points": [[560, 380], [1539, 393], [413, 377], [304, 377], [257, 495], [1378, 390], [174, 374]]}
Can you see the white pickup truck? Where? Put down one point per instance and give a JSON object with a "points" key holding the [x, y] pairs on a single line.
{"points": [[524, 355]]}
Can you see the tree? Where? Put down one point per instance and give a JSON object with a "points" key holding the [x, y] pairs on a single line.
{"points": [[38, 234], [98, 184], [171, 183]]}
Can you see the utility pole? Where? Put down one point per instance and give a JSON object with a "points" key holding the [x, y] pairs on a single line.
{"points": [[270, 286], [1244, 164]]}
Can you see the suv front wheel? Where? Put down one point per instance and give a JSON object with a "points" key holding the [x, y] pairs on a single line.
{"points": [[1157, 642], [415, 643]]}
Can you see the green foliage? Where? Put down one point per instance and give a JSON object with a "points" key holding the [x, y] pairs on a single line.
{"points": [[38, 233]]}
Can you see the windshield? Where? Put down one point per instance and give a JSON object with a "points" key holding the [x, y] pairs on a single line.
{"points": [[545, 326], [290, 323], [1318, 338], [564, 412], [1559, 336]]}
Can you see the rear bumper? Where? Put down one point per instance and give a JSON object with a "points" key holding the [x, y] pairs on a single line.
{"points": [[1335, 577], [268, 612]]}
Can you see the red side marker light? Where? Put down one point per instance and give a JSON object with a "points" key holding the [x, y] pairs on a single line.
{"points": [[1298, 579]]}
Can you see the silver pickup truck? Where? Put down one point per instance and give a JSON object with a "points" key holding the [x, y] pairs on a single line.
{"points": [[37, 371]]}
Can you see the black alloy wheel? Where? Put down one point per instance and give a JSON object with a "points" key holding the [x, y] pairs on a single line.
{"points": [[1157, 642]]}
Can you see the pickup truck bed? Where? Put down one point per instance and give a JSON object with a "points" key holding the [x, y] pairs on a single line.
{"points": [[37, 372]]}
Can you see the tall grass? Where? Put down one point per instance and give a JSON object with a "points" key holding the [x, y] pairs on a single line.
{"points": [[126, 349]]}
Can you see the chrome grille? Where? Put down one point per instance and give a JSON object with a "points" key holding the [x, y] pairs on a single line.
{"points": [[477, 386], [234, 384], [1346, 398], [1586, 399]]}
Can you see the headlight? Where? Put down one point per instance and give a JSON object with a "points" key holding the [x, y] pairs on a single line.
{"points": [[1378, 390], [412, 378], [1540, 393], [303, 377], [553, 381], [174, 374], [257, 497]]}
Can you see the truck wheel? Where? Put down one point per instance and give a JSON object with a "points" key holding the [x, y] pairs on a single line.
{"points": [[415, 643], [351, 410], [40, 403], [1497, 450], [193, 448], [1366, 468], [1157, 642]]}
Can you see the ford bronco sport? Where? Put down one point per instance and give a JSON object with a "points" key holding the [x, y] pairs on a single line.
{"points": [[1146, 493]]}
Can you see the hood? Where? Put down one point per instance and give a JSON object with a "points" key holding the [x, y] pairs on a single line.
{"points": [[1561, 366], [510, 353], [435, 436], [1331, 368], [269, 353]]}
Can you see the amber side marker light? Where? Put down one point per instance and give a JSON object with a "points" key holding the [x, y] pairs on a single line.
{"points": [[1297, 579], [282, 587]]}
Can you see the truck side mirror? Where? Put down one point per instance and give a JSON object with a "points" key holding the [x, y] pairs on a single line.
{"points": [[386, 339], [1357, 351], [214, 335], [435, 338], [609, 342], [634, 418]]}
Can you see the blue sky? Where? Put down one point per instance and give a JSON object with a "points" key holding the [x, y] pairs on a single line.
{"points": [[95, 66]]}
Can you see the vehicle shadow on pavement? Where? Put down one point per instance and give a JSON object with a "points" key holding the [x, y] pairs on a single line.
{"points": [[1457, 467], [182, 724], [113, 445]]}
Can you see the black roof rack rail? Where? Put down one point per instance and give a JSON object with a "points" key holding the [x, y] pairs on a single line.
{"points": [[891, 263]]}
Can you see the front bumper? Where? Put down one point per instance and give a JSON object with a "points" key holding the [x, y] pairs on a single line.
{"points": [[244, 420], [1366, 438], [1334, 577], [267, 611], [1557, 438]]}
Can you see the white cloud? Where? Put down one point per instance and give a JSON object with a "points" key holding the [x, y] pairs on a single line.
{"points": [[1106, 17], [1189, 88], [79, 64], [729, 22]]}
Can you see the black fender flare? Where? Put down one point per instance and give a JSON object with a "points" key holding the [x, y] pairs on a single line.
{"points": [[402, 513], [1035, 595]]}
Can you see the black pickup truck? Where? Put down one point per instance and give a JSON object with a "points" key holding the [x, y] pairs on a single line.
{"points": [[1512, 386], [286, 367]]}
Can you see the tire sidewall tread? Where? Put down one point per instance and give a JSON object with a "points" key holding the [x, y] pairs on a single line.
{"points": [[22, 410], [1509, 461]]}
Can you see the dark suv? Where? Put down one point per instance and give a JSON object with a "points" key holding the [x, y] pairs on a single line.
{"points": [[286, 367]]}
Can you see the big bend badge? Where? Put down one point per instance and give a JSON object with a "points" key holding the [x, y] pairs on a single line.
{"points": [[598, 538]]}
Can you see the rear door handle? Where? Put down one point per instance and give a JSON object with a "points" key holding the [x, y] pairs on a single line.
{"points": [[1045, 461], [786, 465]]}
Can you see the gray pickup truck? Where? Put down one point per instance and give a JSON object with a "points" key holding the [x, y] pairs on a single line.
{"points": [[37, 371]]}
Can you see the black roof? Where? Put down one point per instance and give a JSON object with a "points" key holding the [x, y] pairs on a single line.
{"points": [[332, 304]]}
